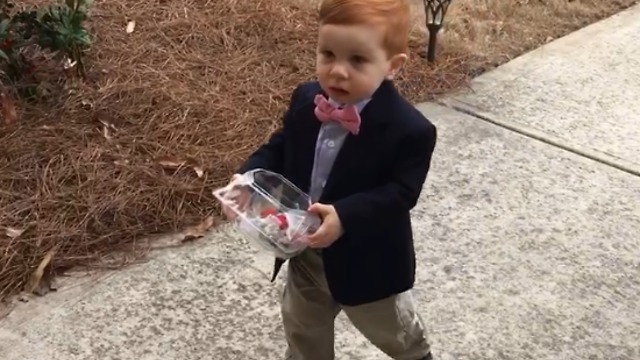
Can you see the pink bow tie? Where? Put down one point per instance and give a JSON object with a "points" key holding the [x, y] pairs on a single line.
{"points": [[348, 117]]}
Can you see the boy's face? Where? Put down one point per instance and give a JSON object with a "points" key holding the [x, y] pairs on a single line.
{"points": [[352, 63]]}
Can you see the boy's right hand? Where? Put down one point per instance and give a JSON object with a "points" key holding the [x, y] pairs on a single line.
{"points": [[237, 194]]}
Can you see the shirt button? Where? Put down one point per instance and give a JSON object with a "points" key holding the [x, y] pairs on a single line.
{"points": [[331, 143]]}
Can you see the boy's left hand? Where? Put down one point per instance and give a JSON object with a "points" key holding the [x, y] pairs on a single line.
{"points": [[331, 228]]}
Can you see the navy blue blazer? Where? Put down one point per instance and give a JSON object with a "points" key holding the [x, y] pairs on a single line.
{"points": [[375, 181]]}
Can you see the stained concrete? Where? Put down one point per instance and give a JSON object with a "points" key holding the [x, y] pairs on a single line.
{"points": [[525, 251], [581, 92]]}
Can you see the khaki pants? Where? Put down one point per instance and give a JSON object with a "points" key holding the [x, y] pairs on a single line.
{"points": [[309, 311]]}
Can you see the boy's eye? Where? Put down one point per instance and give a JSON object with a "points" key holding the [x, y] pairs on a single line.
{"points": [[326, 53], [358, 59]]}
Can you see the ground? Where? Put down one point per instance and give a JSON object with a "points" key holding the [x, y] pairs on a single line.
{"points": [[526, 237], [88, 172]]}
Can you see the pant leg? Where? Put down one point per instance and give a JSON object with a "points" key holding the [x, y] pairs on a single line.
{"points": [[393, 326], [308, 310]]}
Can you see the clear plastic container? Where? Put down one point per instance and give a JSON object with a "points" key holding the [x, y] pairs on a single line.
{"points": [[270, 211]]}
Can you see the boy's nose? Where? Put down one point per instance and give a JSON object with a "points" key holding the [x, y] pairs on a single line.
{"points": [[339, 71]]}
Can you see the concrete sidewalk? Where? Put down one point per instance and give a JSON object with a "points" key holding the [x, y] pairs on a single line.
{"points": [[579, 92], [525, 250]]}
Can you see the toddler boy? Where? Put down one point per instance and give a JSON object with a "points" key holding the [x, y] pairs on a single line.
{"points": [[362, 152]]}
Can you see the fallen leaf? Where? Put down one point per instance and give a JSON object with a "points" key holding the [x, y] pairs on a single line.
{"points": [[188, 234], [105, 133], [107, 124], [40, 281], [199, 230], [13, 233], [106, 128], [68, 63], [8, 107], [195, 165], [131, 25], [173, 163], [169, 162], [86, 104]]}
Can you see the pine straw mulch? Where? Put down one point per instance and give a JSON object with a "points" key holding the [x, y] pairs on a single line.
{"points": [[168, 113]]}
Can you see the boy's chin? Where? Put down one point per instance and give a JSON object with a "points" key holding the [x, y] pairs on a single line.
{"points": [[342, 99], [348, 98]]}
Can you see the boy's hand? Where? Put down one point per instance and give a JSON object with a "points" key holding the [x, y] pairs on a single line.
{"points": [[238, 195], [331, 228]]}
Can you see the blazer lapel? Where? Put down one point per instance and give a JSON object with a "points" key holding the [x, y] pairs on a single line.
{"points": [[306, 138]]}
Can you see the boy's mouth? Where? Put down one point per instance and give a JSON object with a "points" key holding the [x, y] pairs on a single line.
{"points": [[338, 91]]}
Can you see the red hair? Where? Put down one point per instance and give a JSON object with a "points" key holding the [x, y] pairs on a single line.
{"points": [[393, 15]]}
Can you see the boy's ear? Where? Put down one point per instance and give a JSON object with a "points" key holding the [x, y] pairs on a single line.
{"points": [[397, 62]]}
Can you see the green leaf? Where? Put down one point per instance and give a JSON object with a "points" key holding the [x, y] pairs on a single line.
{"points": [[4, 56], [77, 20], [84, 6], [41, 14], [4, 24]]}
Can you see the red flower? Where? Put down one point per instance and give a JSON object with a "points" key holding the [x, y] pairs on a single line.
{"points": [[268, 211], [282, 221]]}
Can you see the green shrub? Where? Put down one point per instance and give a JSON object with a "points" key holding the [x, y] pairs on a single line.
{"points": [[57, 29]]}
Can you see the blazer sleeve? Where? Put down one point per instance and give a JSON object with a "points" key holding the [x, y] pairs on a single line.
{"points": [[270, 156], [402, 191]]}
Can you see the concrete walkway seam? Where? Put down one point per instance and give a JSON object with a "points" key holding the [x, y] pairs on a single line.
{"points": [[619, 164]]}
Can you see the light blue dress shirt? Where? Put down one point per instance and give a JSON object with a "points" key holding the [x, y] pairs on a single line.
{"points": [[328, 144]]}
